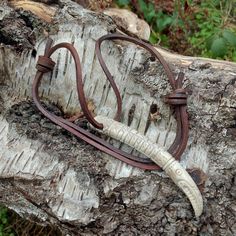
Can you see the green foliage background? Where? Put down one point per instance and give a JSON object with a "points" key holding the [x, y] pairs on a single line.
{"points": [[199, 28]]}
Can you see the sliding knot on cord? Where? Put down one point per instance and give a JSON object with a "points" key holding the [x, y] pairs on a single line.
{"points": [[179, 96], [45, 64]]}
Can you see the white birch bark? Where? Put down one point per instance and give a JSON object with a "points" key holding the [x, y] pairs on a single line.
{"points": [[50, 175]]}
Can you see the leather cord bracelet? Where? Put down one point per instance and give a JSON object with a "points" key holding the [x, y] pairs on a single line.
{"points": [[177, 99]]}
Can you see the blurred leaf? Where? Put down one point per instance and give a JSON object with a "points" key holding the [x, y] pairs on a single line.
{"points": [[234, 56], [209, 42], [142, 5], [164, 40], [4, 221], [167, 20], [219, 47], [123, 3], [230, 37], [150, 15], [163, 22], [153, 38]]}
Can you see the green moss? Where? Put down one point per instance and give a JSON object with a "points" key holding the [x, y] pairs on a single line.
{"points": [[5, 227]]}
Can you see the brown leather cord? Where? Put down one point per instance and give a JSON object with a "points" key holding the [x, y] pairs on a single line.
{"points": [[45, 64], [69, 126], [178, 98]]}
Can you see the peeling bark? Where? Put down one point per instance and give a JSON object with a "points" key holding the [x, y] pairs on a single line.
{"points": [[48, 175]]}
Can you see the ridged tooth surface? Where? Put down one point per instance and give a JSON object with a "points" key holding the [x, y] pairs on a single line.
{"points": [[157, 154]]}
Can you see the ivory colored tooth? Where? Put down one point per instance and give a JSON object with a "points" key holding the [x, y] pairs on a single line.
{"points": [[161, 157]]}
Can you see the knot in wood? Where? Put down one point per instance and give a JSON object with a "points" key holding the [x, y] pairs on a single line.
{"points": [[45, 64], [177, 97]]}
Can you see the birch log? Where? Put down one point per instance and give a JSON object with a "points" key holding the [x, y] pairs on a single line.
{"points": [[49, 176]]}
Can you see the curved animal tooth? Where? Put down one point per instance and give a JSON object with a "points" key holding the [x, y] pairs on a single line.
{"points": [[161, 157]]}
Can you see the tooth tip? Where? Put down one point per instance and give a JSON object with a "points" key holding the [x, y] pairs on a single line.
{"points": [[173, 168], [198, 209]]}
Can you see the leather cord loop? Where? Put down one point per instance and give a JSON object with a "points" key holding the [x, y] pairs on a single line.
{"points": [[76, 130], [178, 98], [45, 64]]}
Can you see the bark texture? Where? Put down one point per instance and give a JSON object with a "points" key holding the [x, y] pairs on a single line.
{"points": [[51, 177]]}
